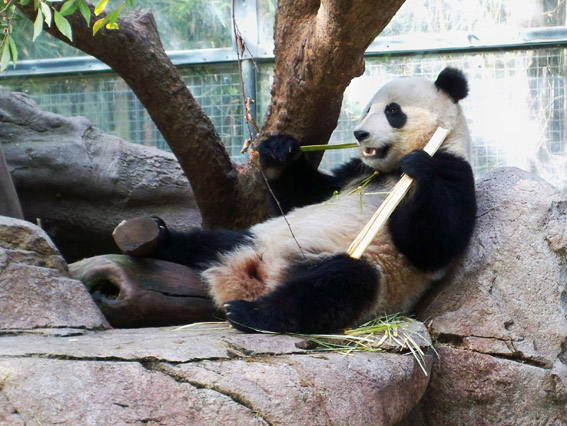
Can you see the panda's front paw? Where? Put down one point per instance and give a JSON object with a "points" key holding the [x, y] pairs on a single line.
{"points": [[418, 164], [276, 153], [252, 317]]}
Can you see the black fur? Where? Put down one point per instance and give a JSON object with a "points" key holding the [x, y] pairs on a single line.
{"points": [[395, 116], [434, 223], [320, 298], [198, 248], [453, 82], [297, 182]]}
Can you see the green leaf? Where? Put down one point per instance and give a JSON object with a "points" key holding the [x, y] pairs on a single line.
{"points": [[63, 25], [112, 17], [100, 7], [5, 59], [38, 25], [13, 49], [47, 13], [68, 8], [98, 25], [85, 11], [24, 2]]}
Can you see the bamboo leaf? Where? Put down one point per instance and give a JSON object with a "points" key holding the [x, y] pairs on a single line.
{"points": [[24, 2], [85, 11], [100, 7], [98, 25], [63, 25], [68, 8], [5, 59], [38, 25], [13, 49], [46, 13], [112, 17]]}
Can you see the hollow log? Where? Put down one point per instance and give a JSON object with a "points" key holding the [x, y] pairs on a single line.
{"points": [[138, 292]]}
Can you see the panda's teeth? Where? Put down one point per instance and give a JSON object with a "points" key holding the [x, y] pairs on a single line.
{"points": [[369, 152]]}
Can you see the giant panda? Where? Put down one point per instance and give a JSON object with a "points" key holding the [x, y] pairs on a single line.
{"points": [[265, 279]]}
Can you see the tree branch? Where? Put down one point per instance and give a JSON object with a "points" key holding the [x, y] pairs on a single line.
{"points": [[135, 53]]}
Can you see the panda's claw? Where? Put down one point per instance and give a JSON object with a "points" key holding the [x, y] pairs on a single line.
{"points": [[239, 313]]}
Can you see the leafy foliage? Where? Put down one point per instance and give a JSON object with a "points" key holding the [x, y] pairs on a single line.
{"points": [[51, 12]]}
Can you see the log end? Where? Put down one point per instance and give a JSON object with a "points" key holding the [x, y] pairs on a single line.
{"points": [[137, 237]]}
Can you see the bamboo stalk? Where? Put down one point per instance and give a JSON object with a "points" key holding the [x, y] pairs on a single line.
{"points": [[307, 148], [378, 220]]}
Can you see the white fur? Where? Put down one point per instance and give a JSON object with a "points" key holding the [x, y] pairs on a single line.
{"points": [[426, 107]]}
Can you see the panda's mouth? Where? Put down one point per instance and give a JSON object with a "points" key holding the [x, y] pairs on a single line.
{"points": [[378, 153]]}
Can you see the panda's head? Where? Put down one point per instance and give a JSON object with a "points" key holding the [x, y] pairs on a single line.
{"points": [[405, 113]]}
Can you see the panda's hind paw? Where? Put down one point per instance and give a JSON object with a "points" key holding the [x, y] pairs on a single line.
{"points": [[250, 317]]}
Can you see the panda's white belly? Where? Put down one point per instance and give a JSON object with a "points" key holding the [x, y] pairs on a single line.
{"points": [[320, 230]]}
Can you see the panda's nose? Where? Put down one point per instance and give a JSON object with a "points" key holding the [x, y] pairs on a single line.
{"points": [[360, 135]]}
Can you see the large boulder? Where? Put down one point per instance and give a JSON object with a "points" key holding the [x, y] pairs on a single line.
{"points": [[501, 316], [80, 183], [207, 374], [35, 288]]}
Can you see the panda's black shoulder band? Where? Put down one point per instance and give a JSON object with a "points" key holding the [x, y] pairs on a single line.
{"points": [[453, 82]]}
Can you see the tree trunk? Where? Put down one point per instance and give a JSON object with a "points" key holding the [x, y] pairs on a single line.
{"points": [[319, 49]]}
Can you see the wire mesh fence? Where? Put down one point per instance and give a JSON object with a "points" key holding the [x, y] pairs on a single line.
{"points": [[107, 101], [516, 107]]}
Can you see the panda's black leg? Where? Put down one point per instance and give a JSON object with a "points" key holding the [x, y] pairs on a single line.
{"points": [[322, 298], [150, 237]]}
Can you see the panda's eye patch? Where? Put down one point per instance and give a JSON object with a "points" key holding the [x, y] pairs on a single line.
{"points": [[393, 108], [395, 116]]}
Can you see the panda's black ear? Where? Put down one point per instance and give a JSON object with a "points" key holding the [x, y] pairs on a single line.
{"points": [[453, 82]]}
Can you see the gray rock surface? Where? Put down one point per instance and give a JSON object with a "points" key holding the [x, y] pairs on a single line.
{"points": [[81, 182], [502, 313], [35, 287], [202, 375], [500, 320]]}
